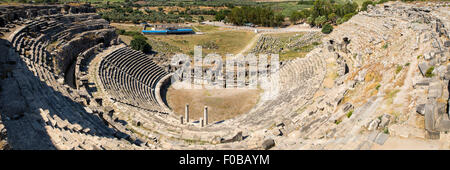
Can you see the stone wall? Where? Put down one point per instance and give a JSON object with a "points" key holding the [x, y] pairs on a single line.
{"points": [[66, 55]]}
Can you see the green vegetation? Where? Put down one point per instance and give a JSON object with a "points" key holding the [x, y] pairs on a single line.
{"points": [[365, 4], [390, 94], [377, 87], [326, 12], [221, 15], [429, 72], [139, 43], [349, 114], [254, 15], [386, 45], [399, 68], [131, 33], [337, 121], [386, 130], [327, 28]]}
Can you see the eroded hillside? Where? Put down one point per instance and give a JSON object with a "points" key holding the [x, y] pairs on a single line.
{"points": [[386, 83]]}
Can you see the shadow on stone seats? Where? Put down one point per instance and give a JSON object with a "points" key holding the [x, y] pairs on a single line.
{"points": [[25, 125]]}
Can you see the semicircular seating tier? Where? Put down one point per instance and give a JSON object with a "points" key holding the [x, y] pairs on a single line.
{"points": [[51, 113], [130, 77]]}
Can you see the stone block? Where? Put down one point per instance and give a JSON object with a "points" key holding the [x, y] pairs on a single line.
{"points": [[268, 143], [381, 138], [423, 67], [420, 109], [447, 44], [373, 125], [432, 135], [347, 107], [385, 119], [429, 116], [237, 137]]}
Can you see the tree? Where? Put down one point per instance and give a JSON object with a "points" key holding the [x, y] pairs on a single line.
{"points": [[332, 17], [310, 20], [296, 16], [319, 21], [256, 15], [201, 19], [328, 11], [139, 43], [327, 28], [120, 31]]}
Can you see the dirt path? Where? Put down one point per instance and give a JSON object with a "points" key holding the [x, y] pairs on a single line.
{"points": [[250, 45]]}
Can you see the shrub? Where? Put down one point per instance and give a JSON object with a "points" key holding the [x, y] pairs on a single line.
{"points": [[325, 11], [327, 28], [399, 68], [310, 20], [429, 72], [319, 21], [382, 1], [349, 113], [347, 17], [339, 21], [337, 122], [378, 87], [120, 32], [133, 34], [140, 44]]}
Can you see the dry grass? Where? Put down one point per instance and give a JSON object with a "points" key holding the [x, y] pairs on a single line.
{"points": [[228, 42], [222, 103], [400, 80], [372, 80], [206, 28], [420, 122], [390, 95], [127, 27], [126, 39], [371, 89], [3, 145]]}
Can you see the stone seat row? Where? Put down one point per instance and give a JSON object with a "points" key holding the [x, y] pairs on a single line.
{"points": [[131, 77], [36, 65], [41, 95]]}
